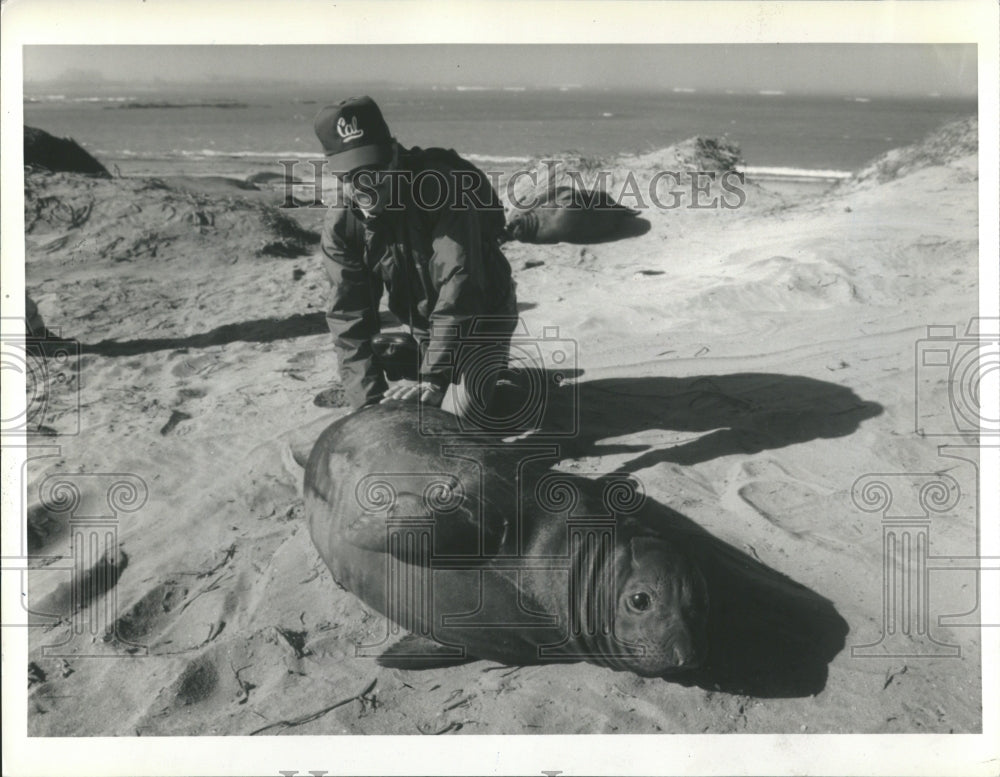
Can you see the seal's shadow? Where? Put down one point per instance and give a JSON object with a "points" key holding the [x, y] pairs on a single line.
{"points": [[769, 636]]}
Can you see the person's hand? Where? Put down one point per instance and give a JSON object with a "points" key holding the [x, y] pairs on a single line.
{"points": [[411, 391], [403, 391], [431, 395]]}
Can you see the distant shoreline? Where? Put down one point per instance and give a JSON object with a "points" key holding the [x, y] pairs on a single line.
{"points": [[239, 133], [794, 174], [243, 165], [125, 105], [90, 91]]}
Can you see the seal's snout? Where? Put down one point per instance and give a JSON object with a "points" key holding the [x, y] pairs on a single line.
{"points": [[513, 230], [664, 609], [686, 655]]}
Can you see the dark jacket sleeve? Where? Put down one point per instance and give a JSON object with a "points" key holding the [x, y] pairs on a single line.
{"points": [[457, 271], [352, 312]]}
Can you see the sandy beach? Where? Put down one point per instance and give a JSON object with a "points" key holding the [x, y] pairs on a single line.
{"points": [[754, 368]]}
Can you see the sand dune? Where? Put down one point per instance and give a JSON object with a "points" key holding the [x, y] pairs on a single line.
{"points": [[747, 365]]}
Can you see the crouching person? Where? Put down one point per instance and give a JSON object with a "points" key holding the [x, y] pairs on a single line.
{"points": [[421, 226]]}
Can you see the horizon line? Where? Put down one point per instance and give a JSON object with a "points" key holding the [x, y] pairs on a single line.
{"points": [[678, 90]]}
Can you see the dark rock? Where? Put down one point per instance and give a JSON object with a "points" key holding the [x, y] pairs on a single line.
{"points": [[331, 397], [292, 240], [59, 154], [718, 154]]}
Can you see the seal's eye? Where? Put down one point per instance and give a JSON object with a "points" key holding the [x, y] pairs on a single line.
{"points": [[639, 601]]}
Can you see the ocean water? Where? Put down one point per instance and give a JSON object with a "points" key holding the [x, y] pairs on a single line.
{"points": [[226, 130]]}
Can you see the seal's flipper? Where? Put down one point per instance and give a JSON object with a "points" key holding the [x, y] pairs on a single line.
{"points": [[457, 532], [414, 652]]}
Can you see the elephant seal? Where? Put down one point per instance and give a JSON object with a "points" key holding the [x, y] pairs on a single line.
{"points": [[569, 215], [481, 555]]}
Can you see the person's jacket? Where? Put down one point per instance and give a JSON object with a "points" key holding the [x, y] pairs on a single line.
{"points": [[440, 264]]}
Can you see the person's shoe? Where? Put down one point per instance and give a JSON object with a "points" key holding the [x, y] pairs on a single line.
{"points": [[398, 354]]}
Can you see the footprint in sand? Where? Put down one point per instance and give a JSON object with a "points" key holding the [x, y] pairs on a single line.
{"points": [[76, 564], [783, 504], [48, 531], [197, 681], [191, 393], [176, 616], [184, 612], [190, 689], [779, 497], [303, 359], [141, 620], [86, 586], [300, 365], [203, 365]]}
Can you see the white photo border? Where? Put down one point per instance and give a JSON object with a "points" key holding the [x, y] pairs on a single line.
{"points": [[33, 22]]}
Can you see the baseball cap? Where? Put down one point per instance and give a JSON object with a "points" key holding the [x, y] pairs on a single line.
{"points": [[353, 134]]}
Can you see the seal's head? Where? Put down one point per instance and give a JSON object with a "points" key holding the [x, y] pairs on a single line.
{"points": [[661, 609], [523, 226]]}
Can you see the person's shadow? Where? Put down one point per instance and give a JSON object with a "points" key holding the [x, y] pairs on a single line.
{"points": [[768, 635], [725, 414]]}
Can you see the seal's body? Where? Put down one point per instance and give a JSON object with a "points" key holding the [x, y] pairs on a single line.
{"points": [[458, 541], [568, 215]]}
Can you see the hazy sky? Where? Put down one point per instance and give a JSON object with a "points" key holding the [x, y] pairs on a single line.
{"points": [[949, 69]]}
